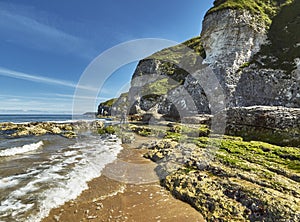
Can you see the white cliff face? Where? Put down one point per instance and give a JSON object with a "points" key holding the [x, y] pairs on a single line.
{"points": [[230, 38]]}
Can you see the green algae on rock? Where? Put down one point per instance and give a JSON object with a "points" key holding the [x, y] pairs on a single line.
{"points": [[67, 130], [244, 181]]}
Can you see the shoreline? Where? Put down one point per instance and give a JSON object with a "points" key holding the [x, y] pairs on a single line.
{"points": [[227, 187], [108, 199]]}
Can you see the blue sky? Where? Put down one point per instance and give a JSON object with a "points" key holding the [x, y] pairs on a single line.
{"points": [[45, 46]]}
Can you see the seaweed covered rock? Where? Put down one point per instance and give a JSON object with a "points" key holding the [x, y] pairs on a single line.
{"points": [[67, 130], [244, 181]]}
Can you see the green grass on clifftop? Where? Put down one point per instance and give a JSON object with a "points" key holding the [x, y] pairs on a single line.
{"points": [[186, 54], [109, 103], [266, 8], [177, 53]]}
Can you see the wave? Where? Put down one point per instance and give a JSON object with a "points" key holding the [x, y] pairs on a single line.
{"points": [[20, 150], [93, 156], [61, 178]]}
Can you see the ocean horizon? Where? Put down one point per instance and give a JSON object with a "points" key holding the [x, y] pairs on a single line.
{"points": [[21, 118]]}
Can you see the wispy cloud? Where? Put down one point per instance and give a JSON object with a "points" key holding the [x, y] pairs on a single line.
{"points": [[21, 104], [49, 103], [41, 79], [15, 98], [36, 33], [69, 96]]}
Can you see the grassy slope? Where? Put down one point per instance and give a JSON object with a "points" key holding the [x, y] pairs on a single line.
{"points": [[108, 103], [188, 53]]}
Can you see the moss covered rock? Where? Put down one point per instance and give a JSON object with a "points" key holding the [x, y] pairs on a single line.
{"points": [[243, 181]]}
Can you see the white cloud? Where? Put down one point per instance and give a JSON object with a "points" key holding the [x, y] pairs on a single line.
{"points": [[46, 103], [50, 97], [48, 106], [41, 79], [71, 96], [35, 104]]}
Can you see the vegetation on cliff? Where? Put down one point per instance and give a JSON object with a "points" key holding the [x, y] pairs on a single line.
{"points": [[109, 102], [174, 53], [170, 65], [283, 46], [119, 103], [282, 18], [170, 59], [159, 87], [266, 9]]}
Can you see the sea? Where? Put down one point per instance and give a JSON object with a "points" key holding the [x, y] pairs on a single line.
{"points": [[38, 173]]}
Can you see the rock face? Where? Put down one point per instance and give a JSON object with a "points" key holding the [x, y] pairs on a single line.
{"points": [[240, 49], [230, 39], [273, 76], [277, 125], [161, 84], [251, 48], [104, 109], [268, 87]]}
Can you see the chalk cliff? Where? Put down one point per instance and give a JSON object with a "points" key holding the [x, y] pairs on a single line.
{"points": [[239, 46], [250, 48]]}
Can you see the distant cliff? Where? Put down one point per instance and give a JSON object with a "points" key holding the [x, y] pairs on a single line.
{"points": [[252, 47]]}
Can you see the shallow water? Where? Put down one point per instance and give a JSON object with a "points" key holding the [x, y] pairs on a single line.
{"points": [[41, 173], [21, 118]]}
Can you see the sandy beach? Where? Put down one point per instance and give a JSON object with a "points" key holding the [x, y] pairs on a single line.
{"points": [[108, 199]]}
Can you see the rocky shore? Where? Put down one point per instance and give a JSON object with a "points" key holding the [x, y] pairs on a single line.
{"points": [[252, 173], [109, 199], [68, 130], [225, 178]]}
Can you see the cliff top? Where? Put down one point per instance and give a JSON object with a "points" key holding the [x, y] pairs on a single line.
{"points": [[267, 9]]}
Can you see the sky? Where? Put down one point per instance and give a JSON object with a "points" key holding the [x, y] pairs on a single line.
{"points": [[46, 46]]}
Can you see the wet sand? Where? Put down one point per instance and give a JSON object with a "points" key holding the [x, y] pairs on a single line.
{"points": [[128, 190]]}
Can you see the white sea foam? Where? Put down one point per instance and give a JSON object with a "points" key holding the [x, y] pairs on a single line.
{"points": [[8, 182], [14, 180], [65, 178], [95, 156], [20, 150], [70, 153], [114, 193]]}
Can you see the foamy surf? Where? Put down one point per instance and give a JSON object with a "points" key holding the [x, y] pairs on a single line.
{"points": [[20, 150], [61, 178]]}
